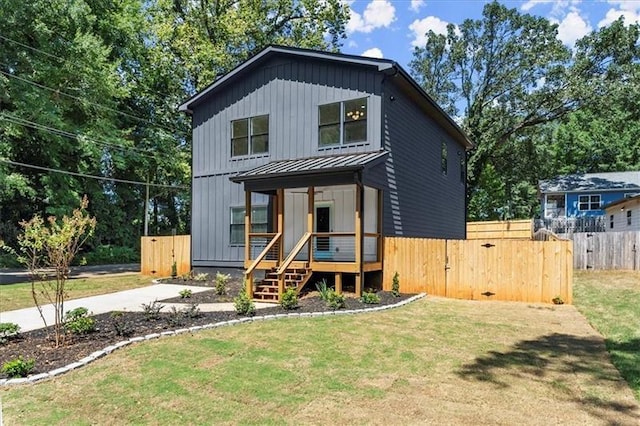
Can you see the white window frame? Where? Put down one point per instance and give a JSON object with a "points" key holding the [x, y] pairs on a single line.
{"points": [[589, 202], [241, 224]]}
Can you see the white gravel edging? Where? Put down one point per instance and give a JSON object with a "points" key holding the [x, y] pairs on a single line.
{"points": [[101, 353]]}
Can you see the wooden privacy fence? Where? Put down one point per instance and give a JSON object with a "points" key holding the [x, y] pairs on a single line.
{"points": [[504, 230], [606, 250], [159, 253], [513, 270]]}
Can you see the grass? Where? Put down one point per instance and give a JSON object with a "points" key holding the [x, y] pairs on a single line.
{"points": [[611, 302], [18, 296], [434, 361]]}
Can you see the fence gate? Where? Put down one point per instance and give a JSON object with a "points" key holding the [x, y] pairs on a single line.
{"points": [[530, 271]]}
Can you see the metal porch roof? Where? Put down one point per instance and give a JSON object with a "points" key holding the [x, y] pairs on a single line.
{"points": [[312, 166]]}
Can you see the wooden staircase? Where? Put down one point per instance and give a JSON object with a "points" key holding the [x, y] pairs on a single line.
{"points": [[294, 277]]}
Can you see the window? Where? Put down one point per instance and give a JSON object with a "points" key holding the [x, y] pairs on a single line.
{"points": [[342, 123], [628, 217], [631, 194], [588, 202], [463, 169], [258, 222], [443, 157], [611, 221], [250, 136]]}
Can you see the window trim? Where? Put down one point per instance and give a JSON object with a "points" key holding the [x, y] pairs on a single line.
{"points": [[341, 124], [629, 221], [253, 223], [250, 136], [611, 221], [590, 203]]}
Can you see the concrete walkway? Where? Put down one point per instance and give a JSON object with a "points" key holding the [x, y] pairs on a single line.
{"points": [[128, 300]]}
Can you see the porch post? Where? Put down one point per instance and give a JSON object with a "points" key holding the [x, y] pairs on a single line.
{"points": [[358, 242], [280, 223], [247, 242], [310, 212], [380, 248]]}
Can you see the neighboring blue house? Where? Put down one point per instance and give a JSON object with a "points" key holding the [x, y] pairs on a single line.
{"points": [[585, 195], [303, 161]]}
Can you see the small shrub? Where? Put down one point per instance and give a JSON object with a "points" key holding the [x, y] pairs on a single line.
{"points": [[289, 299], [201, 277], [192, 311], [152, 310], [175, 318], [558, 300], [78, 321], [18, 367], [334, 300], [323, 290], [221, 283], [8, 330], [174, 270], [185, 294], [370, 298], [395, 285], [120, 324], [244, 305]]}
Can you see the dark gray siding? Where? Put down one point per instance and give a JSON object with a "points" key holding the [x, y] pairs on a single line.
{"points": [[290, 91], [420, 201]]}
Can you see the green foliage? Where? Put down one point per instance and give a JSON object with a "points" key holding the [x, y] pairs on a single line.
{"points": [[395, 285], [152, 310], [289, 299], [178, 317], [201, 277], [244, 305], [185, 294], [108, 254], [78, 321], [174, 270], [192, 310], [120, 324], [323, 290], [370, 298], [18, 367], [8, 330], [334, 300], [221, 283]]}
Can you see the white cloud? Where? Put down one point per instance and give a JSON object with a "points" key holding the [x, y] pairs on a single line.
{"points": [[377, 14], [374, 52], [420, 27], [572, 28], [352, 43], [533, 3], [416, 5], [558, 6], [630, 10]]}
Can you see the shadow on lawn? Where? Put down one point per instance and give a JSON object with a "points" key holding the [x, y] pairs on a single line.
{"points": [[549, 357]]}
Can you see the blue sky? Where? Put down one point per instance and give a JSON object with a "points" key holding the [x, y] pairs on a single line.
{"points": [[390, 28]]}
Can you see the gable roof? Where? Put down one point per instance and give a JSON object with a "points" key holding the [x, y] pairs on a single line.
{"points": [[390, 67], [312, 166], [621, 201], [612, 181]]}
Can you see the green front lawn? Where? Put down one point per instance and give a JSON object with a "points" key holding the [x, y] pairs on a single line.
{"points": [[18, 296], [611, 302]]}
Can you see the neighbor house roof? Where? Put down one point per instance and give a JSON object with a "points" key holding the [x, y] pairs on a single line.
{"points": [[312, 166], [613, 181], [391, 68], [632, 199]]}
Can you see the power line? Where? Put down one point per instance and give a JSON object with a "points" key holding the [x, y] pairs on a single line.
{"points": [[132, 182], [59, 92], [60, 59], [58, 132]]}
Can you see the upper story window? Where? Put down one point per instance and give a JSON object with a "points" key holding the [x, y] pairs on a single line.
{"points": [[588, 202], [463, 168], [342, 123], [444, 157], [250, 136]]}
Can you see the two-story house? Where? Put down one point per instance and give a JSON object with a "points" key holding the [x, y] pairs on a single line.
{"points": [[304, 160]]}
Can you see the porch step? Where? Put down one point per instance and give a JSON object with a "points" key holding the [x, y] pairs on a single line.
{"points": [[267, 289]]}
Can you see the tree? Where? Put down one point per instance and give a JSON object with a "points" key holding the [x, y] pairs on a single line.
{"points": [[53, 244]]}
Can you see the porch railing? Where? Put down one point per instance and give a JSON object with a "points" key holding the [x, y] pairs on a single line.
{"points": [[270, 251]]}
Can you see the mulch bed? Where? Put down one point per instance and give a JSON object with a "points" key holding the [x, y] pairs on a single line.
{"points": [[38, 344]]}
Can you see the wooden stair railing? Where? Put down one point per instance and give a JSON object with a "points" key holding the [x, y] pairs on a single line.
{"points": [[285, 264], [249, 272], [295, 277]]}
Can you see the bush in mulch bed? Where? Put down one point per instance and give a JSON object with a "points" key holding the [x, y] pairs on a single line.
{"points": [[111, 328]]}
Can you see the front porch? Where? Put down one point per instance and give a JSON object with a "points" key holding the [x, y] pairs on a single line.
{"points": [[334, 228]]}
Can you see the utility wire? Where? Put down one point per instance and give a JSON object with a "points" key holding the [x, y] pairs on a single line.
{"points": [[132, 182], [59, 92], [58, 132]]}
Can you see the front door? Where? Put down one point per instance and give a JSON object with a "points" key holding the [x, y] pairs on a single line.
{"points": [[323, 224]]}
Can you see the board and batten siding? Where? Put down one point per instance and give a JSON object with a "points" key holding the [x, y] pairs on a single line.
{"points": [[289, 90], [420, 201]]}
